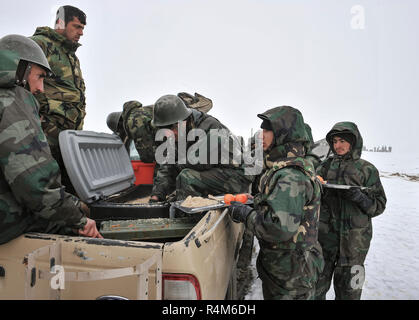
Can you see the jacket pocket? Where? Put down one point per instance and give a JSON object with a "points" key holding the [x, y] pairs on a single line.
{"points": [[359, 220]]}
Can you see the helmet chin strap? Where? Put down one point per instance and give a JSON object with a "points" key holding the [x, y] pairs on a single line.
{"points": [[24, 81]]}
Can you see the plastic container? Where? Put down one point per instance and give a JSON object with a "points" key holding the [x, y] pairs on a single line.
{"points": [[144, 172]]}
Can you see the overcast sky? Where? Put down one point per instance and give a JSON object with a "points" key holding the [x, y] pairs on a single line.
{"points": [[333, 60]]}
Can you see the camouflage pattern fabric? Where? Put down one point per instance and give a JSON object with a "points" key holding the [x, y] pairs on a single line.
{"points": [[345, 230], [198, 101], [310, 155], [285, 219], [63, 104], [203, 179], [137, 126], [31, 196]]}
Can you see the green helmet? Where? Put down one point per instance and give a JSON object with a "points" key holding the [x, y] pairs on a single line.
{"points": [[113, 121], [26, 49], [169, 110]]}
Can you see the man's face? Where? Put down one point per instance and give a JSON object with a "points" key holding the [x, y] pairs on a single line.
{"points": [[268, 139], [341, 146], [73, 30], [173, 130], [36, 79]]}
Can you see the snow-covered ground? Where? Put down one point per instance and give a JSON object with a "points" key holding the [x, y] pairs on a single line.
{"points": [[392, 264]]}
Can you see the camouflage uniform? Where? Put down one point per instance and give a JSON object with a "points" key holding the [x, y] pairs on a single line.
{"points": [[63, 105], [202, 179], [31, 196], [345, 229], [285, 219], [310, 155], [137, 126]]}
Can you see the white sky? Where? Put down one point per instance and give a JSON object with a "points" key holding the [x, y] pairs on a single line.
{"points": [[249, 56]]}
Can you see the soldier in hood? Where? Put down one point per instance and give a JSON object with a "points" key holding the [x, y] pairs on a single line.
{"points": [[286, 209], [345, 230]]}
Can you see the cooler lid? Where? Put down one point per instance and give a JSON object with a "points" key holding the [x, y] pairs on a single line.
{"points": [[97, 163]]}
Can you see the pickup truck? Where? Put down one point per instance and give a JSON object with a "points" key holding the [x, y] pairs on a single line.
{"points": [[149, 251]]}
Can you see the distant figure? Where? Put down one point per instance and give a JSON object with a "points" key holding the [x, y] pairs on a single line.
{"points": [[32, 197], [63, 104], [345, 228]]}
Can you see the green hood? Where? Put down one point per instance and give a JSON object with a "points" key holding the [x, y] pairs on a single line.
{"points": [[291, 138], [8, 66], [351, 128], [55, 36]]}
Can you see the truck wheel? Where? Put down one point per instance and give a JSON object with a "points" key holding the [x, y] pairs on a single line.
{"points": [[231, 293]]}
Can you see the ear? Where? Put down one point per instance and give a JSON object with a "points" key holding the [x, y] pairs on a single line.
{"points": [[60, 24]]}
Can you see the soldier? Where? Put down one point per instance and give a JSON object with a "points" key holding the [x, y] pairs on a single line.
{"points": [[209, 176], [63, 104], [134, 123], [33, 199], [315, 159], [345, 228], [286, 210]]}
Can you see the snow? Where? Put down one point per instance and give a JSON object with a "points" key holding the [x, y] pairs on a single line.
{"points": [[392, 264]]}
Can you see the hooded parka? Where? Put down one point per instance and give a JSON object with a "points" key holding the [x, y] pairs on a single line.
{"points": [[286, 215], [345, 230]]}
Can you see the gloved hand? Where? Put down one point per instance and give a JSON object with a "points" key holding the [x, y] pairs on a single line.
{"points": [[239, 211], [357, 196]]}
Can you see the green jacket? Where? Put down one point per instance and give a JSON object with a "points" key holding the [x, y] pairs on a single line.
{"points": [[64, 101], [137, 126], [165, 180], [31, 195], [288, 202], [340, 218]]}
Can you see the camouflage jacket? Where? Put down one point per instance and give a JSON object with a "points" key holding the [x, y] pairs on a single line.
{"points": [[137, 126], [288, 203], [64, 101], [165, 180], [343, 218], [31, 195]]}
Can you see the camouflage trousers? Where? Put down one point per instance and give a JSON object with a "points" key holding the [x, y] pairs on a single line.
{"points": [[289, 274], [345, 286], [215, 181], [346, 270]]}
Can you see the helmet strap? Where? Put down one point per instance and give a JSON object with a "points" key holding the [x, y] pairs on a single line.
{"points": [[22, 73]]}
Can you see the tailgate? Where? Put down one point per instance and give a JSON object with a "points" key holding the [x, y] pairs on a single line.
{"points": [[85, 268]]}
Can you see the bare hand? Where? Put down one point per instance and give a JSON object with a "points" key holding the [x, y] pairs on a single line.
{"points": [[90, 230]]}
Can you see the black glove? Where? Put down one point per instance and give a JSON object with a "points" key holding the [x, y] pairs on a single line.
{"points": [[239, 211], [357, 196]]}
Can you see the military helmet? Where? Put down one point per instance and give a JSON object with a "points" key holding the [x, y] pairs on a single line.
{"points": [[26, 49], [113, 121], [169, 110]]}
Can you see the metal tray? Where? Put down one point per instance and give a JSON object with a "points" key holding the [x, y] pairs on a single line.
{"points": [[219, 205], [342, 186]]}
